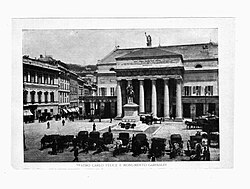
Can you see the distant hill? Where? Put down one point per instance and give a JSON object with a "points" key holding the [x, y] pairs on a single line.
{"points": [[82, 70]]}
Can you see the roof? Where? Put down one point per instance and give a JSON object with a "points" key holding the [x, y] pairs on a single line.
{"points": [[147, 53], [189, 52]]}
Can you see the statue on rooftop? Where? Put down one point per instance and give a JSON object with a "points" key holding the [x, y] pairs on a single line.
{"points": [[149, 40]]}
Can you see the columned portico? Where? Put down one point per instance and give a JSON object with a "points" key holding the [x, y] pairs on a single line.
{"points": [[166, 99], [178, 101], [141, 98], [154, 97]]}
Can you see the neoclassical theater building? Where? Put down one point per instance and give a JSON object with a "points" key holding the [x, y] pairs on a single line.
{"points": [[179, 81]]}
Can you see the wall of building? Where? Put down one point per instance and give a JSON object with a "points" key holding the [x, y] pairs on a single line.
{"points": [[109, 83], [203, 79], [40, 87]]}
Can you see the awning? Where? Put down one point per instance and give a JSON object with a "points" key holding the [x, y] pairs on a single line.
{"points": [[27, 113], [73, 109], [69, 110], [65, 110]]}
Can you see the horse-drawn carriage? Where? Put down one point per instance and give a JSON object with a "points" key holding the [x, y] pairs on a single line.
{"points": [[175, 145], [149, 119], [198, 147], [82, 138], [158, 146], [140, 144], [56, 141], [107, 138], [122, 144]]}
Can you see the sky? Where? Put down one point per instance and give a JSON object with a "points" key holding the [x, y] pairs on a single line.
{"points": [[86, 47]]}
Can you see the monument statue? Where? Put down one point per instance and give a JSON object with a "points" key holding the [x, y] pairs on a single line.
{"points": [[149, 40], [130, 93]]}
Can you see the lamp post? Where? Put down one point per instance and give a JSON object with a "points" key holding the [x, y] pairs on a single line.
{"points": [[206, 100], [92, 106]]}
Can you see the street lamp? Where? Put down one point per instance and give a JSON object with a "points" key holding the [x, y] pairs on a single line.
{"points": [[206, 100], [92, 106]]}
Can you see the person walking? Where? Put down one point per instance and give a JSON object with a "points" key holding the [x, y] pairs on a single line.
{"points": [[94, 127], [48, 125], [76, 154], [109, 130], [63, 122]]}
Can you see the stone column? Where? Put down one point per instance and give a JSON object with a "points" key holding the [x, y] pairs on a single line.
{"points": [[166, 99], [178, 101], [119, 99], [141, 100], [154, 97]]}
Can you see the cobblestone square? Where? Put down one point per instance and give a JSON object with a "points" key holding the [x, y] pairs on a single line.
{"points": [[35, 131]]}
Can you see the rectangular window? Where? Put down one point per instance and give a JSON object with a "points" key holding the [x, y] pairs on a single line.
{"points": [[209, 90], [52, 80], [32, 77], [25, 97], [45, 79], [112, 91], [25, 77], [194, 90], [187, 90], [198, 90], [39, 78], [103, 91]]}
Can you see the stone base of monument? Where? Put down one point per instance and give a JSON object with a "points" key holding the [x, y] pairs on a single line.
{"points": [[131, 120], [139, 127]]}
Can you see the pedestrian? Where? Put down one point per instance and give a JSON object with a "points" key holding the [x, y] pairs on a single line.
{"points": [[63, 122], [54, 146], [206, 154], [153, 158], [48, 125], [76, 154], [94, 127], [109, 129], [110, 119], [100, 118]]}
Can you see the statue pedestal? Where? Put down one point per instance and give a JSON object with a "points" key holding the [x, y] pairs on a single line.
{"points": [[131, 112], [131, 120]]}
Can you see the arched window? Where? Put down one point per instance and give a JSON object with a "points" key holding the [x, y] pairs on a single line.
{"points": [[25, 97], [32, 96], [46, 97], [52, 97], [198, 66], [39, 96]]}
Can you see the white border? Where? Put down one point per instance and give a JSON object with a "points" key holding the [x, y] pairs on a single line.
{"points": [[226, 82]]}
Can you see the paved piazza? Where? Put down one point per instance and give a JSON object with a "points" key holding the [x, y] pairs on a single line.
{"points": [[35, 131]]}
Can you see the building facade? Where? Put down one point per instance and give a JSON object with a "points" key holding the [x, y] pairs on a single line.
{"points": [[64, 89], [168, 81], [50, 88], [40, 87]]}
